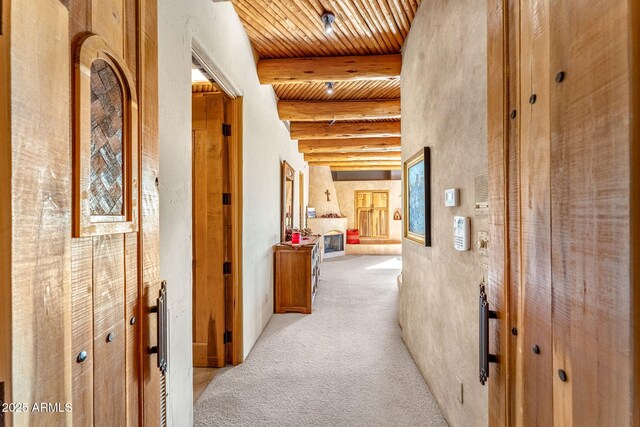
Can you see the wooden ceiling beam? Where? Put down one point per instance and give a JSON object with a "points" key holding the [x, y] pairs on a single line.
{"points": [[364, 168], [316, 111], [378, 163], [312, 146], [307, 130], [343, 157], [329, 69]]}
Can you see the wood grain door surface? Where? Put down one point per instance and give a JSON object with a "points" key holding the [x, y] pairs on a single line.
{"points": [[563, 88], [210, 231]]}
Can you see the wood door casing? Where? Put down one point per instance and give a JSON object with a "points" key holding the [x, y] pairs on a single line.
{"points": [[210, 231]]}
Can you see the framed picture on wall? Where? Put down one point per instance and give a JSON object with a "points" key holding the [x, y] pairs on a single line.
{"points": [[417, 197]]}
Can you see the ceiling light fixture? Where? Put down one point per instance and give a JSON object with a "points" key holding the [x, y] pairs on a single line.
{"points": [[330, 88], [328, 18]]}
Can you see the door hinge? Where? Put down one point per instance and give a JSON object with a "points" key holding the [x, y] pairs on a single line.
{"points": [[226, 267], [226, 199], [226, 129], [227, 337]]}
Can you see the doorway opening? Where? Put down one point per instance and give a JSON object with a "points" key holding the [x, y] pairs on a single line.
{"points": [[216, 224]]}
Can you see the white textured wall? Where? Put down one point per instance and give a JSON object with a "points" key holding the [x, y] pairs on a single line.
{"points": [[444, 106], [216, 29]]}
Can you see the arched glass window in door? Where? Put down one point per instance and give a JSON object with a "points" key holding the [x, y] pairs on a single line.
{"points": [[106, 142], [107, 169]]}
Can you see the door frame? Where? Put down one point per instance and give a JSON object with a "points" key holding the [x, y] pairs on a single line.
{"points": [[233, 110], [5, 207], [502, 343]]}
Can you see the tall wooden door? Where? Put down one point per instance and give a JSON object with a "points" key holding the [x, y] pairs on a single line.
{"points": [[372, 213], [210, 230], [563, 125], [114, 264], [82, 149]]}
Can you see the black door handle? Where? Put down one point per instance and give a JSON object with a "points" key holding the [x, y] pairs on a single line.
{"points": [[485, 315], [162, 348]]}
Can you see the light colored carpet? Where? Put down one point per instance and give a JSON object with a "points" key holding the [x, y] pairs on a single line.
{"points": [[343, 365]]}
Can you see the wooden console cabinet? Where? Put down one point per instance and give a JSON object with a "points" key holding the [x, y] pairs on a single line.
{"points": [[297, 274]]}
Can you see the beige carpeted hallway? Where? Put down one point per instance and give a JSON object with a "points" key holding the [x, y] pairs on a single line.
{"points": [[344, 365]]}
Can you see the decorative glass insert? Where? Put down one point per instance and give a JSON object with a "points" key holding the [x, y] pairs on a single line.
{"points": [[107, 169]]}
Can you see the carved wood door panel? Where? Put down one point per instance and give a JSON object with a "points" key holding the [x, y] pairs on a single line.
{"points": [[372, 213], [114, 262]]}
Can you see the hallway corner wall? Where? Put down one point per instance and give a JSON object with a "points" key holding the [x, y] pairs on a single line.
{"points": [[444, 107], [217, 31], [320, 180]]}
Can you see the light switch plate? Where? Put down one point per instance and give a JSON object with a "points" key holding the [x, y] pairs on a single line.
{"points": [[483, 243], [451, 197]]}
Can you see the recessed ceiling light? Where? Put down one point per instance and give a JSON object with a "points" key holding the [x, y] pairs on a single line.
{"points": [[328, 18], [330, 88]]}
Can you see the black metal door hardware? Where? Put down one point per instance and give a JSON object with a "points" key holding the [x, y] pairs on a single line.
{"points": [[162, 348], [485, 315]]}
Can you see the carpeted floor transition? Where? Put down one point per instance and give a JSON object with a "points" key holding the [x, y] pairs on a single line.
{"points": [[343, 365]]}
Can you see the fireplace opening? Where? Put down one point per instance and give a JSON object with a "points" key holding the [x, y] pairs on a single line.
{"points": [[333, 242]]}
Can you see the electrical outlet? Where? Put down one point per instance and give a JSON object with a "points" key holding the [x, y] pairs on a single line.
{"points": [[460, 392]]}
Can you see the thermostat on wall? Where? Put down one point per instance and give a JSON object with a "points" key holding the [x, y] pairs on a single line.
{"points": [[451, 197]]}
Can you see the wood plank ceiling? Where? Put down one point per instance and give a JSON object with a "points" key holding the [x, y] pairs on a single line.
{"points": [[357, 127]]}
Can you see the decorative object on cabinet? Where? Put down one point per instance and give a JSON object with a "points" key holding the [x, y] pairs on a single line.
{"points": [[417, 201], [288, 176], [297, 274]]}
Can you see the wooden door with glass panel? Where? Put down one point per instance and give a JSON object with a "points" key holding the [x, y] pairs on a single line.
{"points": [[114, 261], [372, 213]]}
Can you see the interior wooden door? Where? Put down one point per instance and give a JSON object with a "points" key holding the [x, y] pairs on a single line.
{"points": [[363, 213], [380, 214], [210, 230], [80, 296], [114, 267], [372, 213], [560, 136]]}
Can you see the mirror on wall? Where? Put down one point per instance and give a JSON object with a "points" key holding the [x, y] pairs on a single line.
{"points": [[288, 177]]}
